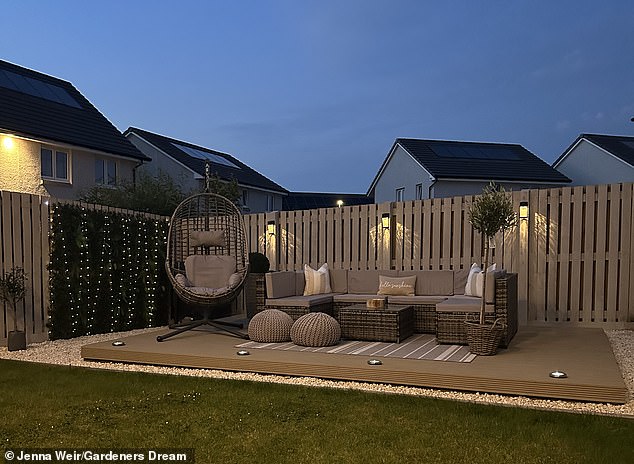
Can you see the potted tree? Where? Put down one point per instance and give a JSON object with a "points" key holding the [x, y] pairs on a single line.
{"points": [[12, 290], [489, 214]]}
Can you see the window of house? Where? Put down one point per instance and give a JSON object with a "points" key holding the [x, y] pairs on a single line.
{"points": [[105, 172], [269, 203], [400, 194], [245, 197], [419, 191], [55, 164]]}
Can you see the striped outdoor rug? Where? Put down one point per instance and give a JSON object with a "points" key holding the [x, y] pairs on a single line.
{"points": [[418, 346]]}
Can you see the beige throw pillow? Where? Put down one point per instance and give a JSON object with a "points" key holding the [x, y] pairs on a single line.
{"points": [[397, 285], [475, 281], [207, 238], [317, 281]]}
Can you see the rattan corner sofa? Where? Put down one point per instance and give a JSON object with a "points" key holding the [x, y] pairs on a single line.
{"points": [[440, 306]]}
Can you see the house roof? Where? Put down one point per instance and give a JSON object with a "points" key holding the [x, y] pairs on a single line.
{"points": [[618, 145], [447, 159], [45, 107], [225, 166], [309, 200]]}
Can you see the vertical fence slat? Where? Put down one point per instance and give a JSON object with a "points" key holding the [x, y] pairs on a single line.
{"points": [[576, 254], [588, 254], [600, 253], [563, 307], [613, 253], [626, 294]]}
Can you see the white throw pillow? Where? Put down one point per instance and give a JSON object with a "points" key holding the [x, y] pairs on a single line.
{"points": [[317, 281], [470, 288]]}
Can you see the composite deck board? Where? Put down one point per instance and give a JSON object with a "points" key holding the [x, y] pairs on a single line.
{"points": [[523, 369]]}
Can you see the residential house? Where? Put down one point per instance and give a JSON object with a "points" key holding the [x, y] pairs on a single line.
{"points": [[54, 141], [598, 159], [311, 200], [185, 163], [417, 169]]}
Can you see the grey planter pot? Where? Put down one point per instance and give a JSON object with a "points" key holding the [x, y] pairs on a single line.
{"points": [[16, 341]]}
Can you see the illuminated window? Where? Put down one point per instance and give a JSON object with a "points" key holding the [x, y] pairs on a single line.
{"points": [[105, 172], [55, 164]]}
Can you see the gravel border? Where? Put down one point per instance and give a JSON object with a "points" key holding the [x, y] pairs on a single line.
{"points": [[67, 353]]}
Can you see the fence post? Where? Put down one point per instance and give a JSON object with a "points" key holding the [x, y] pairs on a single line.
{"points": [[272, 239], [523, 274]]}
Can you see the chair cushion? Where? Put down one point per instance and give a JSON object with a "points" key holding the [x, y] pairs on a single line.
{"points": [[366, 282], [317, 281], [463, 304], [432, 282], [212, 271], [396, 285]]}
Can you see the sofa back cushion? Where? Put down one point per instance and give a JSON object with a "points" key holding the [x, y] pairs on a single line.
{"points": [[460, 281], [401, 285], [432, 282], [339, 280], [366, 282], [280, 284]]}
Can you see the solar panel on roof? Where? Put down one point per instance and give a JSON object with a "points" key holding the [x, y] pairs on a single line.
{"points": [[36, 88], [469, 151], [204, 155]]}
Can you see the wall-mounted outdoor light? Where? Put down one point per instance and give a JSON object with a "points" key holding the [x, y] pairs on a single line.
{"points": [[385, 220], [270, 227], [339, 203], [7, 142], [523, 210]]}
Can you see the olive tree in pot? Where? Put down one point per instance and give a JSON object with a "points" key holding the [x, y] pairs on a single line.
{"points": [[489, 214], [13, 290]]}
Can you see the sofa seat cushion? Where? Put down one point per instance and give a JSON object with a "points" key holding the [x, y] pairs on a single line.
{"points": [[462, 304], [352, 298], [301, 301], [416, 299]]}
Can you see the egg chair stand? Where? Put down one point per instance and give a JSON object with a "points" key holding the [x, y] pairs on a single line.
{"points": [[207, 259]]}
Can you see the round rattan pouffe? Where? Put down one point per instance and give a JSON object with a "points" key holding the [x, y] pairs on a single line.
{"points": [[270, 326], [316, 329]]}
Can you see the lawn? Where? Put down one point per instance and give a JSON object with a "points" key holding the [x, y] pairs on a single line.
{"points": [[236, 421]]}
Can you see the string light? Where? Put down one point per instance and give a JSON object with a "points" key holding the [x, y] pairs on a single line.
{"points": [[104, 271]]}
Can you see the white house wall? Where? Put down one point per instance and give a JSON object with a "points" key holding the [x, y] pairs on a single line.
{"points": [[449, 188], [401, 171], [21, 170], [181, 175], [587, 164]]}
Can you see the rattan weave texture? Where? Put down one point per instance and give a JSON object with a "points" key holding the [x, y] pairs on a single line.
{"points": [[316, 329], [270, 326]]}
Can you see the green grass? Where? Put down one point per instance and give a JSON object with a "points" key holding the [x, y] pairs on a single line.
{"points": [[235, 421]]}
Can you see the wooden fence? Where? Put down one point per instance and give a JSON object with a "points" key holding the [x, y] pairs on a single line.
{"points": [[573, 254]]}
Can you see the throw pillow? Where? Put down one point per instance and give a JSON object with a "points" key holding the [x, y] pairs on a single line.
{"points": [[396, 285], [470, 288], [207, 238], [182, 280], [317, 281]]}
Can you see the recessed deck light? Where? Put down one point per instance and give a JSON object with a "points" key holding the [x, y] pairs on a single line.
{"points": [[118, 343], [375, 362], [558, 375], [243, 353]]}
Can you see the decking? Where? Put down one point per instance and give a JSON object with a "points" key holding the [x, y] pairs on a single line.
{"points": [[523, 369]]}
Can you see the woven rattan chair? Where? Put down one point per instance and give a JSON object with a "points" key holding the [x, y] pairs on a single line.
{"points": [[206, 232]]}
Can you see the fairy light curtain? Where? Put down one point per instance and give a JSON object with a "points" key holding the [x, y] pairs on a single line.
{"points": [[106, 272]]}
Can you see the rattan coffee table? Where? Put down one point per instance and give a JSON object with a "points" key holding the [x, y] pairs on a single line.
{"points": [[391, 324]]}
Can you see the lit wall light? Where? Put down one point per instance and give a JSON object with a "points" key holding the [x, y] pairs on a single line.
{"points": [[270, 227], [385, 220], [7, 142], [523, 210], [339, 203]]}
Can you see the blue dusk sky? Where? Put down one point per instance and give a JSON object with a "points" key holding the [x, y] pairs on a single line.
{"points": [[313, 93]]}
